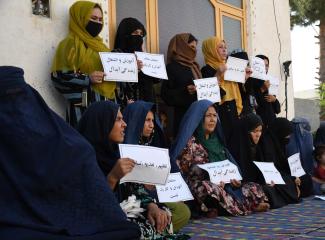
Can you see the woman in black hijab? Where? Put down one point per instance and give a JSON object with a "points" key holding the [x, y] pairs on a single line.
{"points": [[51, 186], [249, 150], [129, 39], [273, 145]]}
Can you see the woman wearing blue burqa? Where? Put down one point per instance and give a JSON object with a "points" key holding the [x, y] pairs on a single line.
{"points": [[51, 186], [144, 128], [200, 141]]}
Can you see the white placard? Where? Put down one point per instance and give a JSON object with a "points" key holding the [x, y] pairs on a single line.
{"points": [[153, 64], [208, 88], [270, 173], [120, 67], [258, 67], [236, 70], [274, 84], [175, 190], [223, 171], [152, 164], [320, 197], [295, 165]]}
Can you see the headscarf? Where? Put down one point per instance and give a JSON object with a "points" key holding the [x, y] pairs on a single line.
{"points": [[79, 50], [190, 122], [50, 181], [301, 141], [320, 134], [213, 59], [179, 51], [124, 40], [95, 125], [135, 115]]}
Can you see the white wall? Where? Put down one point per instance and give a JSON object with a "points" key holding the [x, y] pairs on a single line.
{"points": [[30, 41], [264, 37]]}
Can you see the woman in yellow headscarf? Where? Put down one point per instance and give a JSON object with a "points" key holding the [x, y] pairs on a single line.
{"points": [[77, 71], [215, 54]]}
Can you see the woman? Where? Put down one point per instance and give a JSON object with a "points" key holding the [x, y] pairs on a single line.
{"points": [[301, 141], [273, 145], [215, 55], [249, 150], [77, 72], [199, 141], [144, 129], [103, 126], [129, 38], [179, 91], [51, 186]]}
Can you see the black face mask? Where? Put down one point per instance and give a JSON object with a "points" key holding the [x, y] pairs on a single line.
{"points": [[134, 43], [94, 28]]}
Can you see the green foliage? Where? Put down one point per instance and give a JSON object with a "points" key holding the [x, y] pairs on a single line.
{"points": [[306, 12]]}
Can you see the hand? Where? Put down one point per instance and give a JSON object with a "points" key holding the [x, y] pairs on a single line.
{"points": [[122, 167], [235, 183], [248, 72], [221, 184], [298, 181], [272, 184], [267, 84], [97, 77], [222, 69], [139, 64], [191, 89], [158, 217], [270, 98]]}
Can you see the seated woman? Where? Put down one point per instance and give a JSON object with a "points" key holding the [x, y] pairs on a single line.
{"points": [[319, 171], [103, 126], [144, 129], [301, 141], [51, 186], [248, 150], [273, 145], [199, 141]]}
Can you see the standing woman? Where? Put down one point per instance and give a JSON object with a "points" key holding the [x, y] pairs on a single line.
{"points": [[200, 141], [77, 72], [179, 91], [129, 38], [215, 55], [144, 129]]}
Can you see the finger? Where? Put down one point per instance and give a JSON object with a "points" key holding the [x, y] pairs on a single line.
{"points": [[159, 222]]}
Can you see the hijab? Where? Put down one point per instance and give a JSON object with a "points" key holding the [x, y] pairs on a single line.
{"points": [[95, 125], [48, 172], [79, 50], [135, 115], [190, 122], [213, 59], [124, 39], [301, 141], [179, 51]]}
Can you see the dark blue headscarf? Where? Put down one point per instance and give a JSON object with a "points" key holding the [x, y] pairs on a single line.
{"points": [[96, 125], [301, 141], [135, 115], [191, 120], [50, 181]]}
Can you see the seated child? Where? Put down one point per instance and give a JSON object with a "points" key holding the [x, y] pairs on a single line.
{"points": [[319, 172]]}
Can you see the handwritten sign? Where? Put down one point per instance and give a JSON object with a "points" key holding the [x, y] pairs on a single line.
{"points": [[152, 165], [295, 165], [270, 173], [274, 84], [223, 171], [258, 68], [121, 67], [153, 64], [236, 69], [208, 88], [175, 189]]}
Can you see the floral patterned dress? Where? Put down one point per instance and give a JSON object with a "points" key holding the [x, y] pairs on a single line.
{"points": [[209, 195]]}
